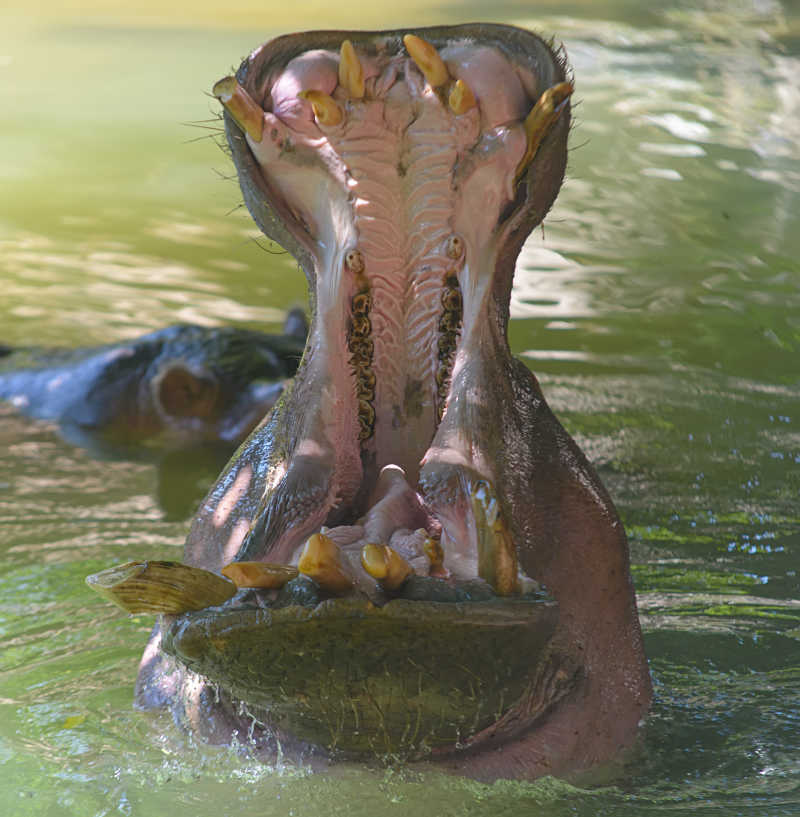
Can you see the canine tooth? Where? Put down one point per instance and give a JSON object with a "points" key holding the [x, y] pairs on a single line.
{"points": [[240, 105], [542, 117], [385, 565], [326, 110], [351, 72], [427, 59], [320, 562], [497, 556], [259, 574], [461, 98], [161, 587]]}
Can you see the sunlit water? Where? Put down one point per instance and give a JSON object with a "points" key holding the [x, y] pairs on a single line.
{"points": [[660, 307]]}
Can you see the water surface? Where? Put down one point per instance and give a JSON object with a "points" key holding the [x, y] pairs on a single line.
{"points": [[659, 306]]}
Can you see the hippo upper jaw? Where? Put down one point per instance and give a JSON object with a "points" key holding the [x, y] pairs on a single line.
{"points": [[404, 174]]}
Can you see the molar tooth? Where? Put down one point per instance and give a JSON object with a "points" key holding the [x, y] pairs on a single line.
{"points": [[455, 246], [326, 110], [427, 59], [461, 98], [351, 72], [354, 261], [240, 105], [542, 117], [259, 574], [320, 561], [385, 565], [497, 556]]}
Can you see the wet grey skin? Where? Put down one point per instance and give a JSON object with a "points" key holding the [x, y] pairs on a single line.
{"points": [[175, 388], [520, 653]]}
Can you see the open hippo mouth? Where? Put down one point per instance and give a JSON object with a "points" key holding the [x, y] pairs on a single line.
{"points": [[413, 475]]}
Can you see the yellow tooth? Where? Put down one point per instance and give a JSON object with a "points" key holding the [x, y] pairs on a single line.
{"points": [[427, 59], [542, 117], [240, 105], [259, 574], [320, 562], [497, 556], [373, 560], [326, 111], [161, 587], [435, 553], [461, 98], [506, 569], [351, 72], [385, 565]]}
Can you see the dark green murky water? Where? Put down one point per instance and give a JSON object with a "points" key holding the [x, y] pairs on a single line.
{"points": [[660, 308]]}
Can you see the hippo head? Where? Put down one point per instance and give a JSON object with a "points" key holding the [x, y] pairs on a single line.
{"points": [[464, 595]]}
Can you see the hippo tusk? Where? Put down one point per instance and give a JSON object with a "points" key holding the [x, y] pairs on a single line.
{"points": [[351, 72], [240, 105], [461, 98], [161, 587], [321, 562], [542, 117], [259, 574], [427, 59], [386, 566], [326, 110]]}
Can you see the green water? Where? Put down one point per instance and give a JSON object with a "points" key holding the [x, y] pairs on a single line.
{"points": [[660, 308]]}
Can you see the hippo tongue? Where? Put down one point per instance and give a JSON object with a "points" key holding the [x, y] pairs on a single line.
{"points": [[404, 175]]}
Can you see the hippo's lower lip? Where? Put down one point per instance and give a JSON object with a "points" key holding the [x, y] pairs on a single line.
{"points": [[404, 174], [402, 680]]}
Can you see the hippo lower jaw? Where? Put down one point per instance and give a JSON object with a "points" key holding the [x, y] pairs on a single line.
{"points": [[405, 181]]}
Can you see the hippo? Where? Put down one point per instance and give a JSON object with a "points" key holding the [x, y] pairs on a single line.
{"points": [[424, 565], [174, 388]]}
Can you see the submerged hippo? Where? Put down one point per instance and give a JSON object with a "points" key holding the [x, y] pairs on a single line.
{"points": [[177, 387], [428, 567]]}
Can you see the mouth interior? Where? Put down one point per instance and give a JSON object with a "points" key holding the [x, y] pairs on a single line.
{"points": [[396, 167]]}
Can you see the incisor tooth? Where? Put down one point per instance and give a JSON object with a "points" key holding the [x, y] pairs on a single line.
{"points": [[435, 553], [461, 98], [427, 59], [542, 117], [320, 562], [385, 565], [259, 574], [351, 72], [240, 105], [326, 110]]}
